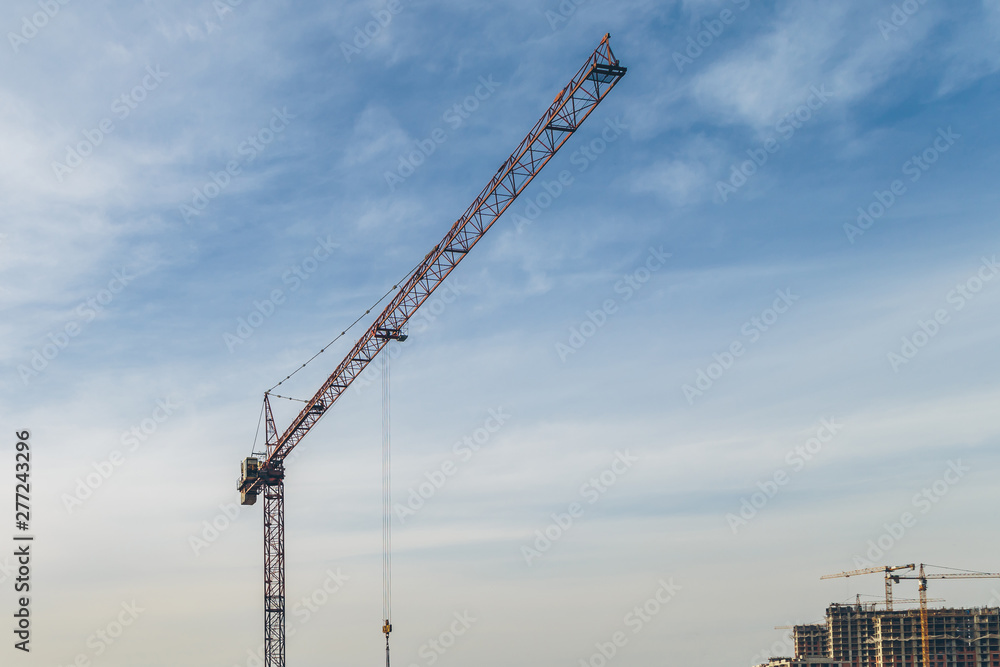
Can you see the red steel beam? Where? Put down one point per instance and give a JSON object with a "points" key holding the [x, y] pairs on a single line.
{"points": [[570, 108]]}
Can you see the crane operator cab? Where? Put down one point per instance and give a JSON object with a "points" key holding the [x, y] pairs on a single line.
{"points": [[249, 473]]}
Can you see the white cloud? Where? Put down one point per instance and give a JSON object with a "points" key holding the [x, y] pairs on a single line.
{"points": [[683, 179], [494, 346], [974, 53], [377, 135], [810, 45]]}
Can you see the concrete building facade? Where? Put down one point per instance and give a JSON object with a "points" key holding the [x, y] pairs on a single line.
{"points": [[863, 636]]}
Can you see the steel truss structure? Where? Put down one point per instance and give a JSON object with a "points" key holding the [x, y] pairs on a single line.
{"points": [[571, 107]]}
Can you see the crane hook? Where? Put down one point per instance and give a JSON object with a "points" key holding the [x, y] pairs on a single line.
{"points": [[386, 628]]}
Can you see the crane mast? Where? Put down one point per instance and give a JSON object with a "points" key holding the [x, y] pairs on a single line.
{"points": [[922, 577], [571, 107], [889, 577]]}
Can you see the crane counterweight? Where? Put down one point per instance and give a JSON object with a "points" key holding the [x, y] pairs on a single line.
{"points": [[249, 474]]}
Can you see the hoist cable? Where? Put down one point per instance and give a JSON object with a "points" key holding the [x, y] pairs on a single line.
{"points": [[257, 434], [344, 332], [288, 398], [386, 504]]}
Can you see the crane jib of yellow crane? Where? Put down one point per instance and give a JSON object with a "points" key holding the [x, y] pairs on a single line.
{"points": [[921, 577], [890, 578]]}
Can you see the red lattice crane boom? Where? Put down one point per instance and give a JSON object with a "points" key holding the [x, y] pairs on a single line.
{"points": [[567, 112]]}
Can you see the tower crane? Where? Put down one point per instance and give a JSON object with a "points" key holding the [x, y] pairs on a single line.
{"points": [[922, 577], [890, 578], [264, 474]]}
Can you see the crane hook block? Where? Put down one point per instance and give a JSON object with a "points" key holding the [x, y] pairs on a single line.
{"points": [[386, 627]]}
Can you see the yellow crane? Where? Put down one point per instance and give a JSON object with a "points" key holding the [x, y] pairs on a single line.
{"points": [[922, 577], [890, 578]]}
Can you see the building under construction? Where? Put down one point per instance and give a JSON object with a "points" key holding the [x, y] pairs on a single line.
{"points": [[860, 635]]}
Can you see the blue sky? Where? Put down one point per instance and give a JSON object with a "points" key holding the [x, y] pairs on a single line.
{"points": [[770, 385]]}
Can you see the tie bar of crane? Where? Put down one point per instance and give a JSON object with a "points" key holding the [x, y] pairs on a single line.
{"points": [[591, 84], [572, 106]]}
